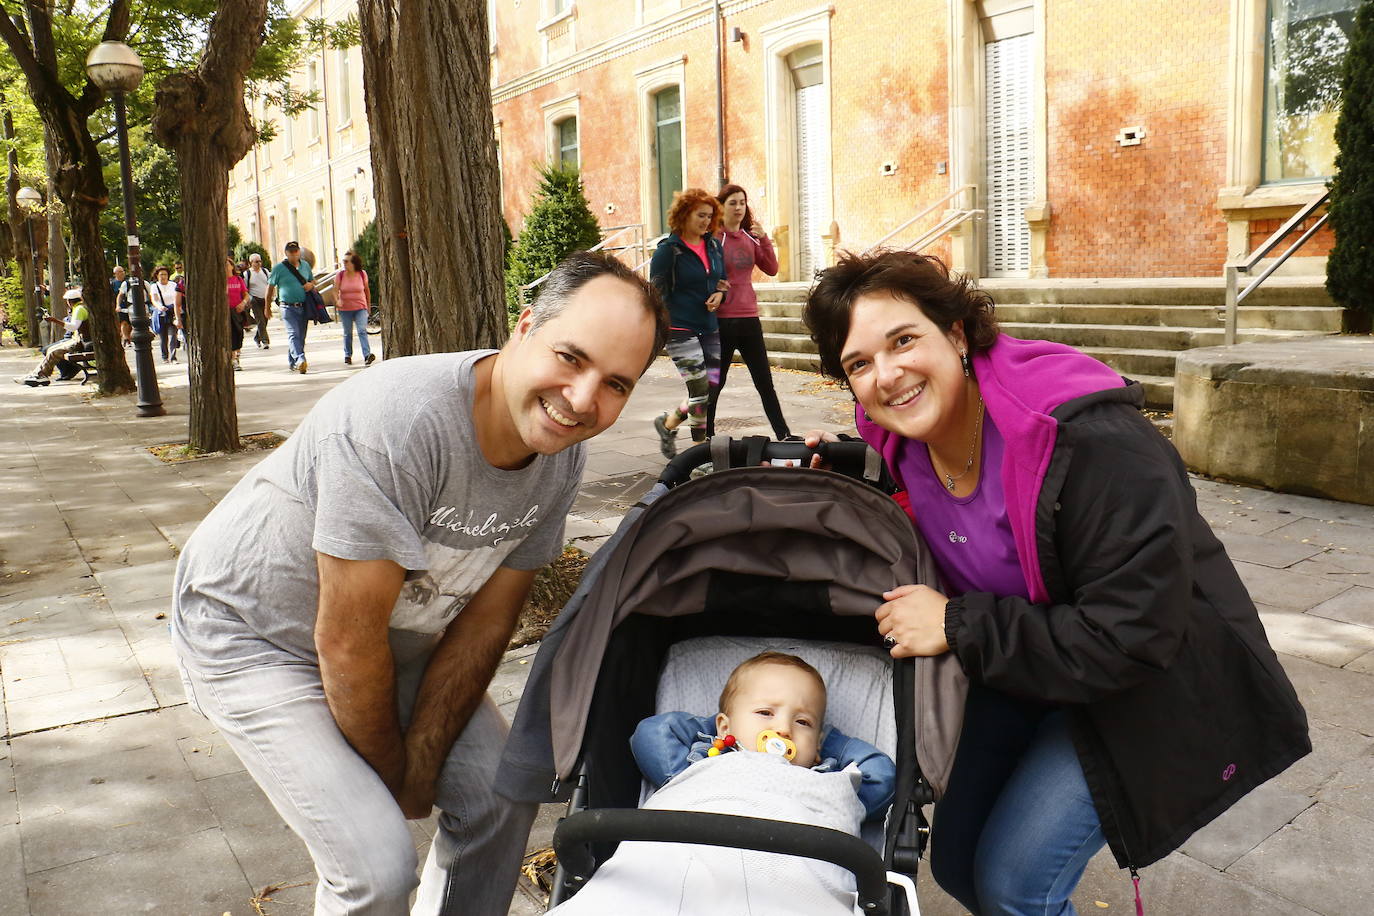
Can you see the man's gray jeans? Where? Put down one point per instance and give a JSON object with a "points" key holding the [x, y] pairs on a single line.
{"points": [[276, 719]]}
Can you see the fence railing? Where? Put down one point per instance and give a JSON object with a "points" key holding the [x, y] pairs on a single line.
{"points": [[1234, 294], [954, 215]]}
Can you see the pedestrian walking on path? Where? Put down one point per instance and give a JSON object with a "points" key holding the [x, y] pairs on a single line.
{"points": [[745, 246], [1120, 687], [162, 297], [354, 302], [257, 280], [689, 271], [237, 292], [288, 283], [403, 523]]}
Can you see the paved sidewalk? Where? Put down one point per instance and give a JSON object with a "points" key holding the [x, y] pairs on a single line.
{"points": [[115, 798]]}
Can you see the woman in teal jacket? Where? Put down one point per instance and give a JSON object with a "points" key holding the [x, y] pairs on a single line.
{"points": [[689, 270]]}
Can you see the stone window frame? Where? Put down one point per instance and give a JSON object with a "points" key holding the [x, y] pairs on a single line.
{"points": [[556, 111], [652, 10], [649, 81], [1243, 197], [778, 40], [552, 23], [967, 162]]}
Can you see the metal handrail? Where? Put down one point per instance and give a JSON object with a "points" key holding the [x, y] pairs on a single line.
{"points": [[952, 220], [1234, 295], [924, 213], [615, 232]]}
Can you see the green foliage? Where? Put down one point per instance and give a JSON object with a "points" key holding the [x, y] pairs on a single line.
{"points": [[366, 248], [157, 197], [243, 249], [234, 237], [1350, 266], [12, 300], [560, 223]]}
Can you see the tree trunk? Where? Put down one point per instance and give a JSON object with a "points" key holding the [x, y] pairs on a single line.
{"points": [[427, 72], [202, 119], [19, 231], [57, 247]]}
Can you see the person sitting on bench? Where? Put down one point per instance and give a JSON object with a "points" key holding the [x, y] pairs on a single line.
{"points": [[78, 331]]}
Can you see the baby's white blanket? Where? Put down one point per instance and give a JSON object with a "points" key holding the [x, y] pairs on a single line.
{"points": [[687, 880]]}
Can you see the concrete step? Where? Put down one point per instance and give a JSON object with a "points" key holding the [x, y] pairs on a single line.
{"points": [[808, 362], [1159, 390], [1276, 291], [782, 324], [1143, 338], [770, 309], [1293, 318], [789, 343], [1136, 363]]}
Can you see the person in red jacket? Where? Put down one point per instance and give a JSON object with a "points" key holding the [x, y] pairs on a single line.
{"points": [[746, 246], [1120, 686]]}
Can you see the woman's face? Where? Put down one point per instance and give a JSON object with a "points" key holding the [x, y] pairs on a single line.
{"points": [[163, 276], [903, 369], [699, 223], [735, 206]]}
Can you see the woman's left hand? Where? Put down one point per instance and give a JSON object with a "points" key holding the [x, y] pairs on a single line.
{"points": [[914, 615], [713, 301]]}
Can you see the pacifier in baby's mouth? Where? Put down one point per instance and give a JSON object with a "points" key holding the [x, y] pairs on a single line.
{"points": [[770, 742]]}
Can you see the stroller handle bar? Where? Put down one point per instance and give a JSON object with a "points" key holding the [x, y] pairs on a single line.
{"points": [[571, 839], [852, 458]]}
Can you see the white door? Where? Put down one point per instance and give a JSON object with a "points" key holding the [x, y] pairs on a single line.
{"points": [[1007, 139], [811, 117]]}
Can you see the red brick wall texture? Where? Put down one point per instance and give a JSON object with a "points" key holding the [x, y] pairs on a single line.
{"points": [[1137, 211]]}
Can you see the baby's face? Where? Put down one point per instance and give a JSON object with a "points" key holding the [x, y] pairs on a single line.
{"points": [[778, 697]]}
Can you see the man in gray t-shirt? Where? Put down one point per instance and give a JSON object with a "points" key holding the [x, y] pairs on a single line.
{"points": [[393, 540]]}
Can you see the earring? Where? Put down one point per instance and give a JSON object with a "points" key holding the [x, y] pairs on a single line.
{"points": [[963, 358]]}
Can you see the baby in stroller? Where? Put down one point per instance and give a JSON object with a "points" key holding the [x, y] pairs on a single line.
{"points": [[766, 754]]}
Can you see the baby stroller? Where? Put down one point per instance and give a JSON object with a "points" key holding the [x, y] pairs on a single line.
{"points": [[762, 557]]}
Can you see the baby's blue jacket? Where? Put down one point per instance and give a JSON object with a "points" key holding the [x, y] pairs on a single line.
{"points": [[666, 744]]}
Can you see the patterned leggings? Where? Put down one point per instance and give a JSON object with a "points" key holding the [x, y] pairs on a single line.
{"points": [[697, 357]]}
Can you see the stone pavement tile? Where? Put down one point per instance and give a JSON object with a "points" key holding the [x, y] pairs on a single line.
{"points": [[1308, 506], [179, 533], [1285, 588], [1265, 551], [1341, 537], [1354, 606], [1350, 568], [612, 462], [1364, 664], [1313, 637], [1224, 515], [1333, 695], [1352, 789], [1332, 748], [508, 685], [9, 798], [136, 584], [54, 615], [193, 874], [73, 693], [1320, 861], [1245, 825], [98, 788], [14, 891], [207, 755], [266, 849], [25, 580], [133, 547]]}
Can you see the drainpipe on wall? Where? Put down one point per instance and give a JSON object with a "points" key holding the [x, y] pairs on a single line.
{"points": [[718, 24]]}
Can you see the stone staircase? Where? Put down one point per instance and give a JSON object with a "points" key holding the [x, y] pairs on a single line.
{"points": [[1137, 327]]}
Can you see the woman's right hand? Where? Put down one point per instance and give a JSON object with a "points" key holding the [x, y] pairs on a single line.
{"points": [[713, 301], [813, 438]]}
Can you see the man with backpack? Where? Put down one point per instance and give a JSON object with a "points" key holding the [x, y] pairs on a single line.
{"points": [[257, 280], [289, 281]]}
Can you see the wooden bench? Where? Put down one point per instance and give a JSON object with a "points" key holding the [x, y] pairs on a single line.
{"points": [[85, 361]]}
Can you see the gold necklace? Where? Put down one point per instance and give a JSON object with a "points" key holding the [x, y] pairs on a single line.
{"points": [[973, 447]]}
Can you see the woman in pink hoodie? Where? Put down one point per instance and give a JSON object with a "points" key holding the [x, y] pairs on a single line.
{"points": [[746, 246], [1120, 686]]}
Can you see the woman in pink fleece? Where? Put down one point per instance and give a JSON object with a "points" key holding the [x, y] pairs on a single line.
{"points": [[1120, 687], [746, 246]]}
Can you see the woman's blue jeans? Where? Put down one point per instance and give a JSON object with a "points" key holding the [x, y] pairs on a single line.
{"points": [[355, 320], [1017, 826], [293, 315]]}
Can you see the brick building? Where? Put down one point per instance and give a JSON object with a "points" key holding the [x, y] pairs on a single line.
{"points": [[1100, 138]]}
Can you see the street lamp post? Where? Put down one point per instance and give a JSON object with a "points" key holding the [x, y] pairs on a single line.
{"points": [[114, 67], [30, 200]]}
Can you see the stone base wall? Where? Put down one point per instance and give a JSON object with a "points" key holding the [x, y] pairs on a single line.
{"points": [[1295, 416]]}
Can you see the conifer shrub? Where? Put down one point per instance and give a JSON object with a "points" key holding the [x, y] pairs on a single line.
{"points": [[1350, 266], [560, 222]]}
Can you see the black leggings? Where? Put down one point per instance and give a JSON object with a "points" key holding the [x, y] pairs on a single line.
{"points": [[746, 336]]}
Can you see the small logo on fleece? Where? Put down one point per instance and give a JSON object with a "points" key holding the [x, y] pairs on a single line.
{"points": [[1227, 773], [957, 538]]}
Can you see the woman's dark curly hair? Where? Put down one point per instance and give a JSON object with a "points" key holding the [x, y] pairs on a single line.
{"points": [[920, 279]]}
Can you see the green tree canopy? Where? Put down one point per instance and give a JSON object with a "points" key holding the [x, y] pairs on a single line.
{"points": [[1350, 266], [560, 223]]}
